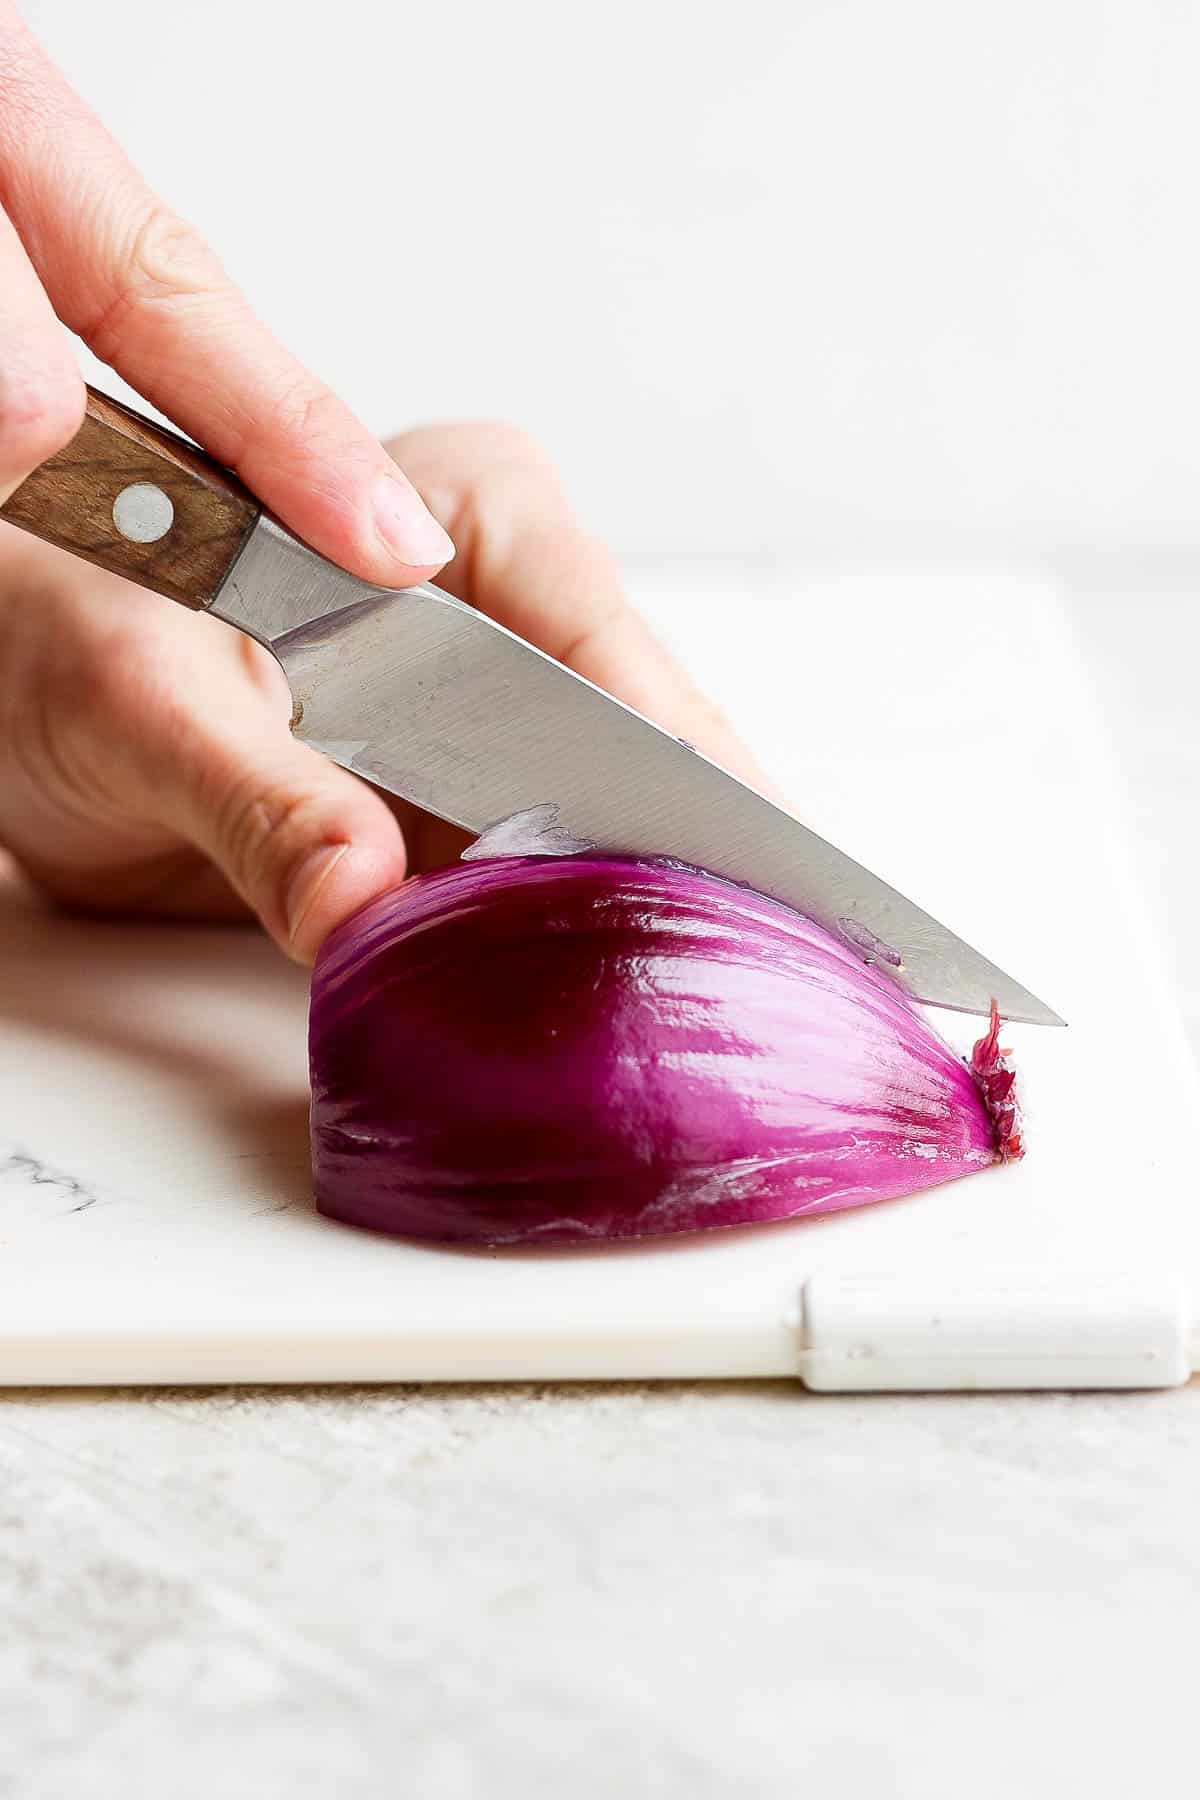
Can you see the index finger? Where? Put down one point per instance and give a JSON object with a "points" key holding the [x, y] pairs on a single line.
{"points": [[149, 297]]}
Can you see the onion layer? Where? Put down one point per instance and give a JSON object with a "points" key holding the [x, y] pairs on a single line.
{"points": [[532, 1050]]}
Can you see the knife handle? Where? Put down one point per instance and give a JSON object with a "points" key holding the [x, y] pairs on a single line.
{"points": [[137, 500]]}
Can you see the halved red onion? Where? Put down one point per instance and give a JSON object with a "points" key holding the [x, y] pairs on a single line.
{"points": [[538, 1050]]}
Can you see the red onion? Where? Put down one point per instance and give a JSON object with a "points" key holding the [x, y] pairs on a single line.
{"points": [[534, 1049]]}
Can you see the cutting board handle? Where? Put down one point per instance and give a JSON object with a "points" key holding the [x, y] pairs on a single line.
{"points": [[139, 501]]}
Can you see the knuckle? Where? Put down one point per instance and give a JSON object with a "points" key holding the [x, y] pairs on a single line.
{"points": [[168, 257], [164, 265], [510, 443], [496, 447], [304, 425], [303, 413], [306, 409], [582, 644], [265, 830]]}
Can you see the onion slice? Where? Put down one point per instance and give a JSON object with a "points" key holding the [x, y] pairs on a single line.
{"points": [[541, 1049]]}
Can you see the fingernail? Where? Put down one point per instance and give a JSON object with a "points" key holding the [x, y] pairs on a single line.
{"points": [[406, 525]]}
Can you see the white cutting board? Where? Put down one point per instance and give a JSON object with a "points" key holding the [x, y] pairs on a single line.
{"points": [[155, 1217]]}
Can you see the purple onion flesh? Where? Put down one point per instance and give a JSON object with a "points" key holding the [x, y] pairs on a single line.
{"points": [[539, 1050]]}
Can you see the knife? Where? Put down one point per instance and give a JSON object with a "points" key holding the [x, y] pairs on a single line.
{"points": [[426, 697]]}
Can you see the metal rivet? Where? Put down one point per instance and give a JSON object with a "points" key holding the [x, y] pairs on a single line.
{"points": [[143, 513]]}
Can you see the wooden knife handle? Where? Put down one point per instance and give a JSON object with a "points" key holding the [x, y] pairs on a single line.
{"points": [[140, 501]]}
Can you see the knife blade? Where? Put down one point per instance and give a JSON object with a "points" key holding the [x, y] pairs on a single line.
{"points": [[433, 701]]}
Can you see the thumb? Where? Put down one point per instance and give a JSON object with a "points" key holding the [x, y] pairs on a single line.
{"points": [[303, 842]]}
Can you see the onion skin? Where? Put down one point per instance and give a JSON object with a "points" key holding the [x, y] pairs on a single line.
{"points": [[536, 1050]]}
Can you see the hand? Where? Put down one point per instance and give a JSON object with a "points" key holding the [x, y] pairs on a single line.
{"points": [[145, 761], [146, 765], [81, 235]]}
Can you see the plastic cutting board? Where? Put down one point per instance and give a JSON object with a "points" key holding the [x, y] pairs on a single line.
{"points": [[155, 1217]]}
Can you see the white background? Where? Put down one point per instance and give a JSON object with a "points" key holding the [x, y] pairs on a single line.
{"points": [[767, 277]]}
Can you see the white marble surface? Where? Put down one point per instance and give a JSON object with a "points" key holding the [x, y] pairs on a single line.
{"points": [[674, 1591], [726, 1591]]}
